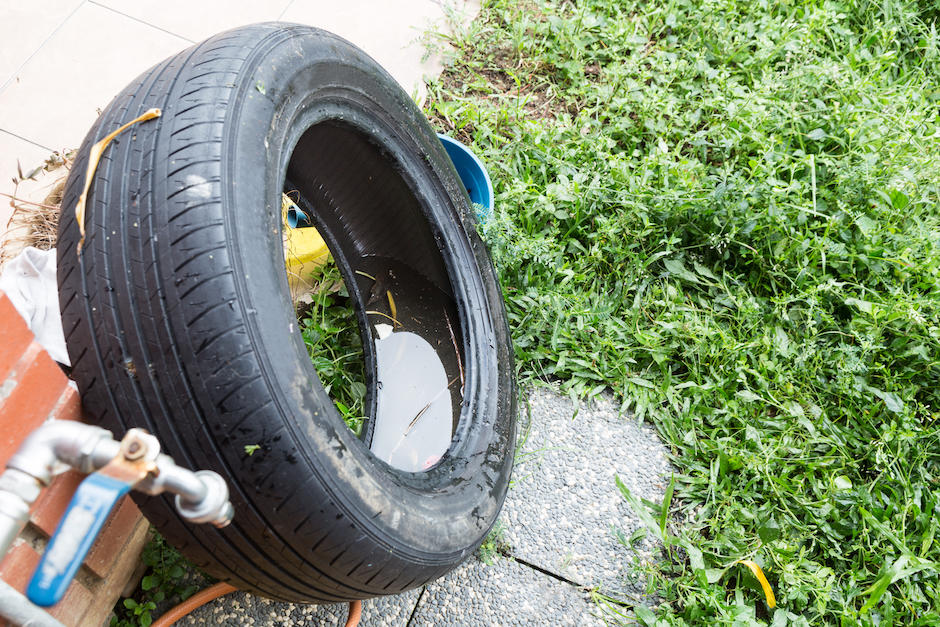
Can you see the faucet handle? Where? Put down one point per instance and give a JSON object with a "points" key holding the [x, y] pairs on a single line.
{"points": [[86, 514]]}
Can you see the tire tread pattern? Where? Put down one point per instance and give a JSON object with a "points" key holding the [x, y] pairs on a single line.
{"points": [[156, 279]]}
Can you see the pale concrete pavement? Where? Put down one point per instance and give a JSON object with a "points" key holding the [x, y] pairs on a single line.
{"points": [[63, 60]]}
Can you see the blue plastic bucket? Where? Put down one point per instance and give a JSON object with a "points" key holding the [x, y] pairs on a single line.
{"points": [[472, 174], [469, 168]]}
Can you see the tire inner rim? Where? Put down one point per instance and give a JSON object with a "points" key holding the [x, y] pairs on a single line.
{"points": [[345, 197]]}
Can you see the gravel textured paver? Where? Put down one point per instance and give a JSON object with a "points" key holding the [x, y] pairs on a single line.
{"points": [[563, 515], [564, 511], [240, 608], [503, 593]]}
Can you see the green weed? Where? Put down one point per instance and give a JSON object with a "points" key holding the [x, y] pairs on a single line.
{"points": [[727, 213], [169, 579], [331, 333], [494, 544]]}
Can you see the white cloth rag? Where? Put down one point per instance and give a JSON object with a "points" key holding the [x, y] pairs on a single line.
{"points": [[29, 281]]}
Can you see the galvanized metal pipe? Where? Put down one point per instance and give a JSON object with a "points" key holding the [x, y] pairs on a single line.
{"points": [[18, 490], [82, 447], [173, 478], [59, 444], [17, 609]]}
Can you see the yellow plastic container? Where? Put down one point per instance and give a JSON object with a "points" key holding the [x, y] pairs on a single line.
{"points": [[304, 250]]}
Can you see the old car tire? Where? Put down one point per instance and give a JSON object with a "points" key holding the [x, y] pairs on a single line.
{"points": [[178, 316]]}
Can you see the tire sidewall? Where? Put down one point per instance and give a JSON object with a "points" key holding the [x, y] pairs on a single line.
{"points": [[437, 516]]}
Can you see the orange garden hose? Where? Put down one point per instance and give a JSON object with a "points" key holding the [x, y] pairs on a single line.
{"points": [[221, 589], [197, 600], [355, 613]]}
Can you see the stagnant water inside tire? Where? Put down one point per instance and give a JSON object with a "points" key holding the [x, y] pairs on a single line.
{"points": [[408, 413]]}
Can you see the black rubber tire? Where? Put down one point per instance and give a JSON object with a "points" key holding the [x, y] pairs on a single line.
{"points": [[178, 318]]}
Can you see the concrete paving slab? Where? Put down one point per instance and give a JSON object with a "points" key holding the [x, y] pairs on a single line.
{"points": [[63, 60], [239, 609], [24, 28], [503, 593], [55, 97], [199, 20], [561, 520], [564, 509], [30, 155], [391, 32]]}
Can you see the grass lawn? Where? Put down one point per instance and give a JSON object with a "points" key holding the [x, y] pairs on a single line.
{"points": [[727, 213]]}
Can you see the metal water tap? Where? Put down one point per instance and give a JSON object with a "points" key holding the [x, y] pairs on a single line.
{"points": [[117, 467]]}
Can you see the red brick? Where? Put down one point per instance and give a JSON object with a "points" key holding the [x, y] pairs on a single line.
{"points": [[39, 391], [17, 567], [14, 431], [38, 385], [74, 605], [83, 606], [109, 590], [15, 336], [49, 507], [69, 405], [51, 504], [114, 535]]}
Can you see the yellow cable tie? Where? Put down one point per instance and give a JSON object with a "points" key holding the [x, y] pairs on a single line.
{"points": [[379, 313], [94, 155], [391, 304], [768, 591]]}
